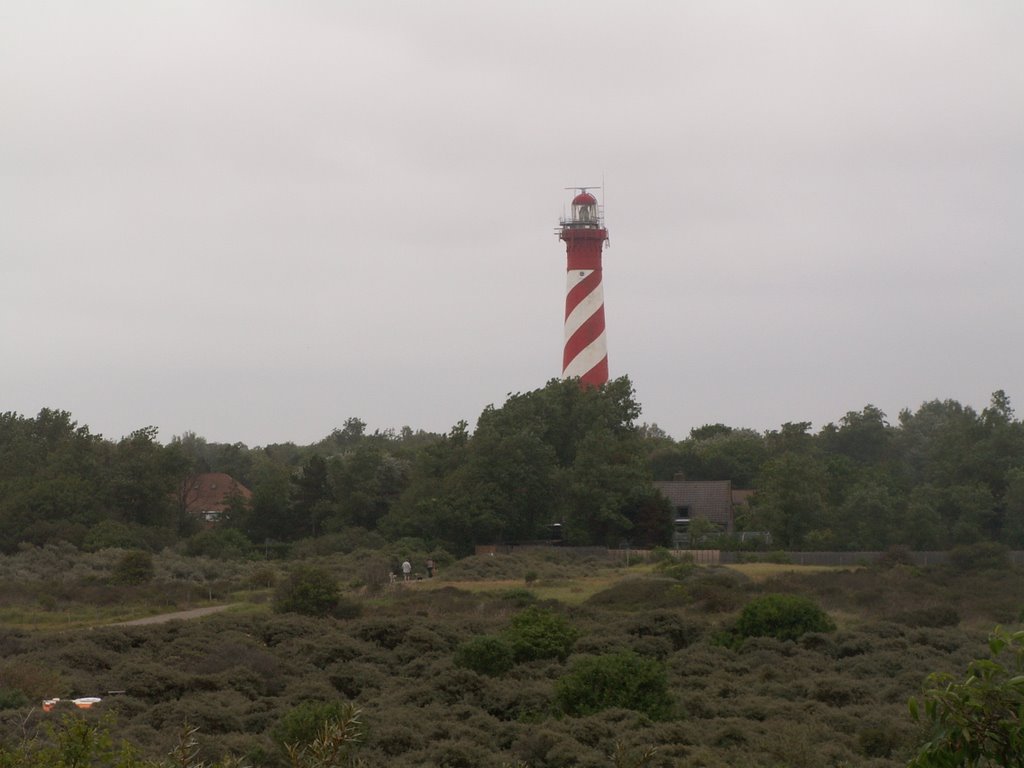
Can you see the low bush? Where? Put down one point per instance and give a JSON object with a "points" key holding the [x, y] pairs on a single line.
{"points": [[387, 633], [303, 723], [220, 543], [36, 681], [518, 597], [895, 556], [12, 699], [353, 678], [540, 634], [308, 590], [134, 567], [716, 590], [664, 624], [486, 655], [784, 617], [879, 740], [675, 569], [660, 555], [375, 574], [983, 556], [931, 616], [622, 680], [775, 556], [642, 593], [261, 577], [347, 608], [110, 533]]}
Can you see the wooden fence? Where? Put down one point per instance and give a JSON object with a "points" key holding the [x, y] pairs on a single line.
{"points": [[721, 557]]}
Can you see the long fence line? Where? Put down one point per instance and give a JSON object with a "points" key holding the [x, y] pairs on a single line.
{"points": [[724, 557]]}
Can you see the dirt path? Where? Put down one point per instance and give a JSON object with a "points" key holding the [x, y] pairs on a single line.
{"points": [[194, 613]]}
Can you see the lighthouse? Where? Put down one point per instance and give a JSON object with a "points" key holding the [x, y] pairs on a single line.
{"points": [[586, 350]]}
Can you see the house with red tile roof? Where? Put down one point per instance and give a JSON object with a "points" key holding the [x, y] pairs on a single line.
{"points": [[209, 495]]}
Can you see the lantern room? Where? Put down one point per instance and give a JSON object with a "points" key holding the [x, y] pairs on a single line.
{"points": [[586, 213]]}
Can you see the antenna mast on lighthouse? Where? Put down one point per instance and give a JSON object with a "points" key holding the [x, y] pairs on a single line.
{"points": [[586, 350]]}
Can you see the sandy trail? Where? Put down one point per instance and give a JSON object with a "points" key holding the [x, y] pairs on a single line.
{"points": [[194, 613]]}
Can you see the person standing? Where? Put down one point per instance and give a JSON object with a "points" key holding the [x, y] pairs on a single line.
{"points": [[406, 570], [430, 569]]}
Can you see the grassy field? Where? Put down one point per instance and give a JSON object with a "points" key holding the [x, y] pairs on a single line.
{"points": [[577, 589], [760, 572], [567, 589]]}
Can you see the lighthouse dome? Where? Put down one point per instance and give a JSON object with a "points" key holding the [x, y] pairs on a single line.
{"points": [[584, 198]]}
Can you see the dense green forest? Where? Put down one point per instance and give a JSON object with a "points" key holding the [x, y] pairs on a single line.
{"points": [[939, 476]]}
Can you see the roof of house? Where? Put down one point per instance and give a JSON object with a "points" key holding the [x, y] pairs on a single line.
{"points": [[707, 499], [211, 492]]}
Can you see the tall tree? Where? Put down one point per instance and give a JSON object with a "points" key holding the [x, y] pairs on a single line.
{"points": [[790, 501], [267, 515], [146, 478], [54, 479], [311, 499], [366, 480]]}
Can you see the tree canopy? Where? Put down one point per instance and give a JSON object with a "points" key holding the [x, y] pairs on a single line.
{"points": [[562, 457]]}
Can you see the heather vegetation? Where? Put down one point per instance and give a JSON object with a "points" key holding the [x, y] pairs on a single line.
{"points": [[474, 668]]}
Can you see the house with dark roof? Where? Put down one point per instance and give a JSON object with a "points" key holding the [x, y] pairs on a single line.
{"points": [[208, 495], [691, 500]]}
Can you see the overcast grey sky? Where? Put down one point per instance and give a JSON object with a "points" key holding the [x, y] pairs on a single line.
{"points": [[254, 219]]}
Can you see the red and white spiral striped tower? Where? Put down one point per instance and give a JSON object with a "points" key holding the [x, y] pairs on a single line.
{"points": [[586, 350]]}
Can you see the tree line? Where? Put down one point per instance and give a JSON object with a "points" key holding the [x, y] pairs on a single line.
{"points": [[559, 458]]}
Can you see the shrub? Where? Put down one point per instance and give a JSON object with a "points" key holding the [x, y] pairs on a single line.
{"points": [[135, 567], [894, 556], [261, 577], [878, 740], [346, 608], [837, 691], [517, 597], [220, 543], [976, 721], [680, 571], [983, 556], [774, 556], [642, 592], [660, 555], [335, 739], [539, 634], [784, 617], [621, 680], [486, 655], [110, 533], [308, 590], [375, 574], [12, 699], [387, 633], [932, 616], [715, 589], [71, 741], [353, 678], [301, 724], [36, 681], [664, 624]]}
